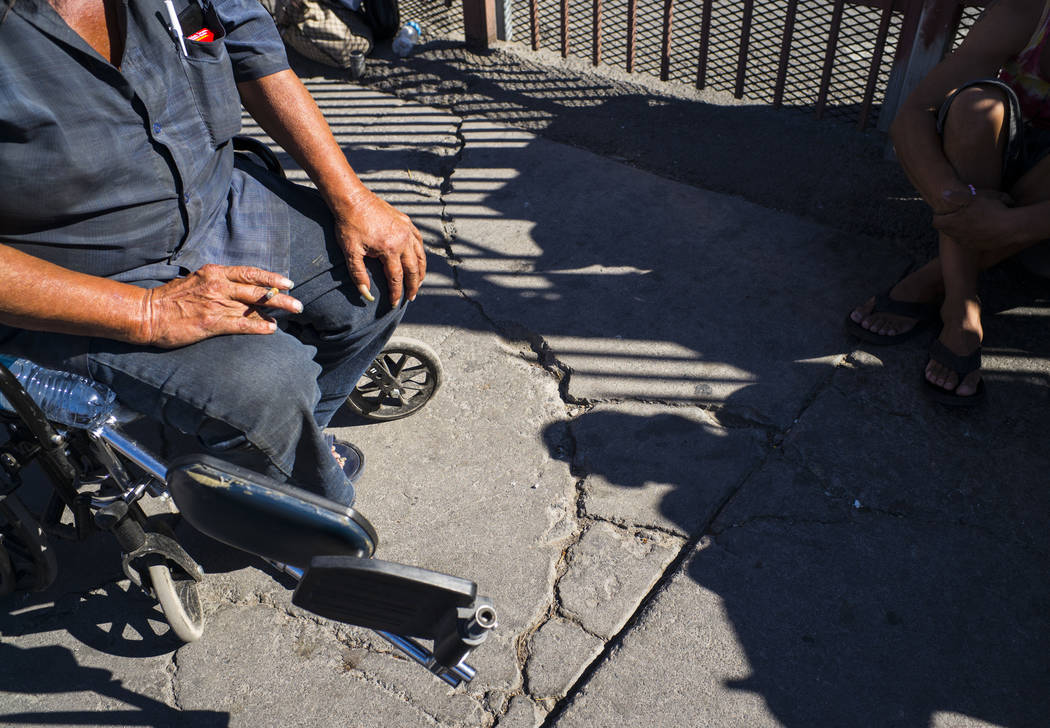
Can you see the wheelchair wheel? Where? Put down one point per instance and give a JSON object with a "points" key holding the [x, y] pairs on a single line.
{"points": [[402, 379], [25, 548], [180, 602]]}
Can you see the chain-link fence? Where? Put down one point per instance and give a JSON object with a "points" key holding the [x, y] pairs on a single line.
{"points": [[834, 58]]}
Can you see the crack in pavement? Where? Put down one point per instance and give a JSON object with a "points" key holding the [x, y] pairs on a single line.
{"points": [[698, 541], [173, 683], [448, 223], [562, 372]]}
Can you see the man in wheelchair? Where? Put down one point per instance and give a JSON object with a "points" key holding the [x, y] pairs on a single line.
{"points": [[206, 291]]}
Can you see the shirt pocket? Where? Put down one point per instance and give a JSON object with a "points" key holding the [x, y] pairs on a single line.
{"points": [[210, 73]]}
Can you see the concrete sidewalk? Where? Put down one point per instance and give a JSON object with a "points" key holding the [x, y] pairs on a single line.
{"points": [[692, 498]]}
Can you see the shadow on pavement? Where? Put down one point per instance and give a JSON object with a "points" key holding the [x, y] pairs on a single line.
{"points": [[846, 614], [54, 669], [896, 569]]}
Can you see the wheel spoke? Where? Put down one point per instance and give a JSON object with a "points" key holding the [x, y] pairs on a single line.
{"points": [[384, 366], [396, 371]]}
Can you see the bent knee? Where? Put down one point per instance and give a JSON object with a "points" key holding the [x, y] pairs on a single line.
{"points": [[977, 114]]}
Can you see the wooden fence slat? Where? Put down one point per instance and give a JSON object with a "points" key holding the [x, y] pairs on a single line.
{"points": [[479, 22]]}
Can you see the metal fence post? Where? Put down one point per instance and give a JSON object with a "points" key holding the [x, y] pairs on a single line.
{"points": [[479, 23], [928, 29]]}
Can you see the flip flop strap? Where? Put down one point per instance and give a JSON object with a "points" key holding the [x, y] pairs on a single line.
{"points": [[961, 365], [910, 309]]}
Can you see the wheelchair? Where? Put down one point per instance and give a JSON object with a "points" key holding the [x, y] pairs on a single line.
{"points": [[100, 472], [99, 475]]}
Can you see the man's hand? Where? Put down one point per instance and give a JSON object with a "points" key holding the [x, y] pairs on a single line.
{"points": [[986, 223], [378, 230], [214, 300], [366, 225]]}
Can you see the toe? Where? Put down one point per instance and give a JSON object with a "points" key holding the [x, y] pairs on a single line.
{"points": [[937, 374], [968, 386], [860, 314]]}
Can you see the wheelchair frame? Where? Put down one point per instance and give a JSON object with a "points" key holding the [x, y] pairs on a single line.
{"points": [[99, 476]]}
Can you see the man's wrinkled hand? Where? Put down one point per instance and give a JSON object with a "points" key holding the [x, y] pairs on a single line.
{"points": [[984, 224], [378, 230], [212, 301]]}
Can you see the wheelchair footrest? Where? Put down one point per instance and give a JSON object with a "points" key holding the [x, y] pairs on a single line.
{"points": [[383, 595]]}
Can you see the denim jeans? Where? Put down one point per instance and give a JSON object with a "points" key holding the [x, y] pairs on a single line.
{"points": [[259, 400]]}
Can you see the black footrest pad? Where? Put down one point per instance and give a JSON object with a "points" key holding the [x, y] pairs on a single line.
{"points": [[382, 595]]}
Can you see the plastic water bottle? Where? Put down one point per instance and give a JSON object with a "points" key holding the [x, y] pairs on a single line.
{"points": [[406, 38], [64, 397]]}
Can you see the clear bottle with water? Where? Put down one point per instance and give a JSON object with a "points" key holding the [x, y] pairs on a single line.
{"points": [[64, 397], [406, 38]]}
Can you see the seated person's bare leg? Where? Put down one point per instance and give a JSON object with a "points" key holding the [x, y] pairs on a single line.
{"points": [[961, 315], [974, 141], [974, 138]]}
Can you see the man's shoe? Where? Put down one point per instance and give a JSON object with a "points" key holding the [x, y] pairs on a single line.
{"points": [[350, 459]]}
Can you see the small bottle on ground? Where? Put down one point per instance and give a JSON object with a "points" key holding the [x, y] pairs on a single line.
{"points": [[406, 39]]}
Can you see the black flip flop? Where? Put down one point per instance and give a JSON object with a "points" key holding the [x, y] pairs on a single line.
{"points": [[961, 366], [924, 313]]}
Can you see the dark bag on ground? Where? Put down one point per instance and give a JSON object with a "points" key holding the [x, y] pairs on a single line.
{"points": [[323, 31], [383, 17]]}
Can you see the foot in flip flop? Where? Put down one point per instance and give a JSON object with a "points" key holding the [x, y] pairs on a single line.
{"points": [[953, 374], [349, 457], [886, 319]]}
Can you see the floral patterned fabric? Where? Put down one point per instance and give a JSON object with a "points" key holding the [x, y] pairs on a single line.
{"points": [[1022, 74]]}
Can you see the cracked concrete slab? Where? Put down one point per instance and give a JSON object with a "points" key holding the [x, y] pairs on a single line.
{"points": [[660, 467], [297, 675], [610, 571], [878, 621], [522, 713], [951, 469], [650, 290], [559, 652]]}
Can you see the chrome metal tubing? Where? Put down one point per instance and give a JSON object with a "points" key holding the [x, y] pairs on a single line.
{"points": [[133, 451], [453, 676]]}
